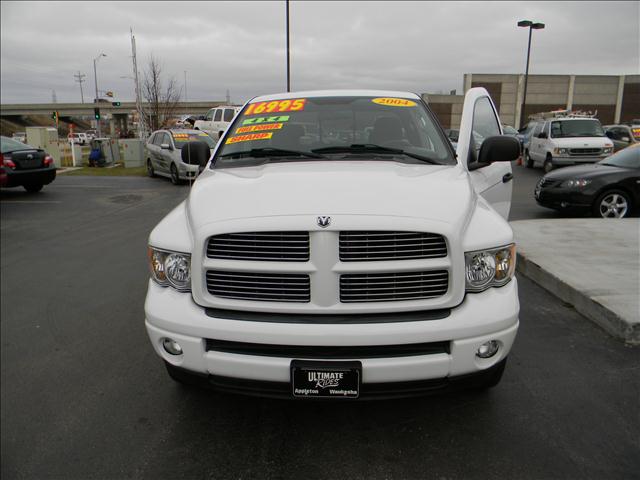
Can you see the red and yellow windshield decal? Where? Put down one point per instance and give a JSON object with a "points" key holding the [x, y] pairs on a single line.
{"points": [[635, 132], [294, 105], [394, 102], [249, 137], [259, 128]]}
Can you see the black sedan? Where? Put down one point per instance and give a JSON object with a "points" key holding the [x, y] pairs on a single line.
{"points": [[609, 188], [24, 166]]}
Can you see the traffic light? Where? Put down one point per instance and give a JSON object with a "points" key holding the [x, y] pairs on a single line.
{"points": [[54, 115], [115, 104], [96, 113]]}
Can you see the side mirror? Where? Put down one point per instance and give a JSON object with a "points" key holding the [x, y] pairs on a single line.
{"points": [[195, 153], [165, 146], [500, 148], [542, 135]]}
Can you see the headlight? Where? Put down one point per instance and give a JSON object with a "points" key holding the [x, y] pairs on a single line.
{"points": [[578, 183], [561, 151], [607, 150], [170, 268], [489, 268]]}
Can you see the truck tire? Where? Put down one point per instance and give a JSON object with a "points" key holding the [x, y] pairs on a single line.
{"points": [[548, 164], [527, 159], [182, 376], [494, 379]]}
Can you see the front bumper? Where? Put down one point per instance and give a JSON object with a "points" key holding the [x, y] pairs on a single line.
{"points": [[490, 315], [564, 198], [576, 160], [186, 172]]}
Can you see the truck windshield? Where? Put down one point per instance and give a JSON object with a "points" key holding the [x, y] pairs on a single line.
{"points": [[576, 128], [334, 128]]}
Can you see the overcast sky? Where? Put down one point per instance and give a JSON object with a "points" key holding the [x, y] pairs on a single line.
{"points": [[240, 46]]}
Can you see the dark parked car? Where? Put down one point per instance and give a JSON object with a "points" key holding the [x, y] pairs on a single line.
{"points": [[24, 166], [609, 188], [622, 135]]}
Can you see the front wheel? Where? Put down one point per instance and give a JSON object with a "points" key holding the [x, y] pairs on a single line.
{"points": [[527, 159], [33, 187], [494, 378], [150, 171], [183, 376], [548, 165], [175, 179], [612, 204]]}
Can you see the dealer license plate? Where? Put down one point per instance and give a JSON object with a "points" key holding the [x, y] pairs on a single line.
{"points": [[311, 379]]}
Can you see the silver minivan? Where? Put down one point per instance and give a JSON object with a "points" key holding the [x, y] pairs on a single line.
{"points": [[164, 153]]}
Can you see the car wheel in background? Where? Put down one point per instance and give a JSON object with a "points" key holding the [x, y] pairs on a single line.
{"points": [[548, 164], [612, 204], [150, 171], [33, 187], [175, 179], [527, 159]]}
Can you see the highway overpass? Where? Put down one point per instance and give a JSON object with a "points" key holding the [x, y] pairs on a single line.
{"points": [[86, 109]]}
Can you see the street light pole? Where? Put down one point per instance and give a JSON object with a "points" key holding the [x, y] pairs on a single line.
{"points": [[288, 67], [532, 26], [185, 86], [95, 79]]}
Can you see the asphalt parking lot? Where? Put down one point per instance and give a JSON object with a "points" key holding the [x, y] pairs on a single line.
{"points": [[84, 395]]}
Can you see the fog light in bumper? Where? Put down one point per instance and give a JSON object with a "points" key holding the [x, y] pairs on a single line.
{"points": [[488, 349], [171, 346]]}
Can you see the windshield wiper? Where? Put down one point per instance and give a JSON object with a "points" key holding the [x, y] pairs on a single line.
{"points": [[372, 148], [271, 152]]}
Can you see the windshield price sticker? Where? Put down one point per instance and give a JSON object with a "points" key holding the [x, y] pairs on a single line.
{"points": [[276, 118], [394, 102], [249, 137], [259, 128], [295, 105]]}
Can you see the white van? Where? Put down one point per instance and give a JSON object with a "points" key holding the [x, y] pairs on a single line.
{"points": [[217, 120], [566, 140]]}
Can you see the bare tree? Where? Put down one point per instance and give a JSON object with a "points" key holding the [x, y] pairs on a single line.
{"points": [[162, 101]]}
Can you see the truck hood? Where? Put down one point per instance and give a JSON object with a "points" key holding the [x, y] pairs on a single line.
{"points": [[434, 192]]}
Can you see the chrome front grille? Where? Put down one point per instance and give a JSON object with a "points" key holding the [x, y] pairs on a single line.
{"points": [[262, 287], [260, 246], [391, 287], [585, 151], [368, 246]]}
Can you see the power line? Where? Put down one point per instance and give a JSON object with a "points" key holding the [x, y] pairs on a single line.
{"points": [[79, 77]]}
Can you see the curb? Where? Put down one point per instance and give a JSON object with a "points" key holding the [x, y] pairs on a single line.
{"points": [[612, 323]]}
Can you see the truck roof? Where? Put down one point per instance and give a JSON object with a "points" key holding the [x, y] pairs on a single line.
{"points": [[335, 93]]}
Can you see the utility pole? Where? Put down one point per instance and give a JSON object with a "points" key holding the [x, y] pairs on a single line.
{"points": [[95, 78], [142, 129], [288, 67], [185, 88], [80, 78], [228, 97]]}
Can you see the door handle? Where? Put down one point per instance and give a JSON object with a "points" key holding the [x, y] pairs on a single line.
{"points": [[507, 177]]}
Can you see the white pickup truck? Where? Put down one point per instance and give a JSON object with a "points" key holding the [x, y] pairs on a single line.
{"points": [[336, 246], [217, 120]]}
